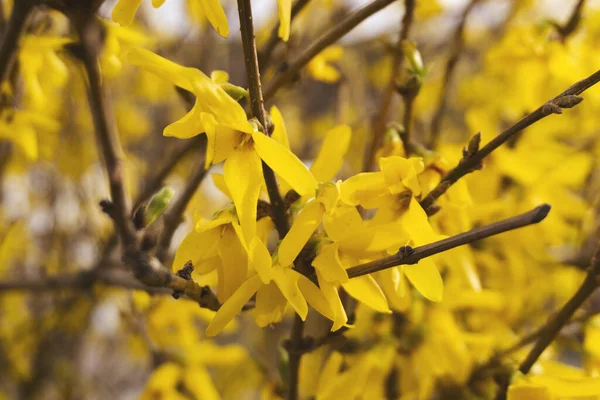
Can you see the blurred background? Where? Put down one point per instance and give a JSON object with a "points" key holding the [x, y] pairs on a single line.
{"points": [[63, 339]]}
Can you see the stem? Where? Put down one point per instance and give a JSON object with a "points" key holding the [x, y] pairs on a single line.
{"points": [[386, 102], [325, 40], [409, 102], [106, 135], [258, 110], [457, 48], [531, 217], [154, 183], [15, 28], [172, 218], [467, 165], [295, 357], [264, 58]]}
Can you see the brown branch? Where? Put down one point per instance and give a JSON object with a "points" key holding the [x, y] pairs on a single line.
{"points": [[566, 99], [173, 217], [15, 28], [572, 23], [264, 58], [85, 280], [258, 110], [413, 256], [155, 182], [386, 102], [458, 43], [146, 269], [106, 135], [325, 40], [551, 329]]}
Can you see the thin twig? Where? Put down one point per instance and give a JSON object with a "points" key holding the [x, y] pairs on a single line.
{"points": [[173, 216], [15, 28], [258, 110], [264, 58], [386, 101], [551, 329], [147, 269], [566, 99], [406, 258], [458, 43], [106, 135], [572, 23], [154, 183], [407, 122], [325, 40], [296, 338]]}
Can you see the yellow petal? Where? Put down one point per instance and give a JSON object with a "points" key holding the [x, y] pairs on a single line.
{"points": [[279, 132], [342, 222], [198, 381], [157, 3], [390, 282], [233, 305], [285, 164], [285, 16], [125, 10], [197, 248], [287, 281], [302, 229], [528, 392], [330, 372], [260, 259], [215, 14], [426, 278], [270, 305], [328, 264], [315, 297], [219, 182], [180, 76], [243, 176], [218, 76], [416, 224], [335, 303], [188, 126], [330, 157], [367, 291], [234, 263], [221, 140], [401, 173], [367, 189]]}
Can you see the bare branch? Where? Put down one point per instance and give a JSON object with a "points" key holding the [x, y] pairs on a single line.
{"points": [[325, 40], [264, 58], [566, 99], [458, 43], [412, 257]]}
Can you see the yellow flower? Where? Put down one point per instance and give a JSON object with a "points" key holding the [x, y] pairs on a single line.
{"points": [[554, 381], [319, 67], [275, 286], [231, 137], [42, 69], [125, 10], [391, 192], [23, 127]]}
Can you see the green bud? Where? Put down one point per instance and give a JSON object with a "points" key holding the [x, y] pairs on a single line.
{"points": [[158, 204], [414, 58], [236, 92]]}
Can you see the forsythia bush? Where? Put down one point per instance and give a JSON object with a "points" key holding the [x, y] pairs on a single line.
{"points": [[309, 208]]}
